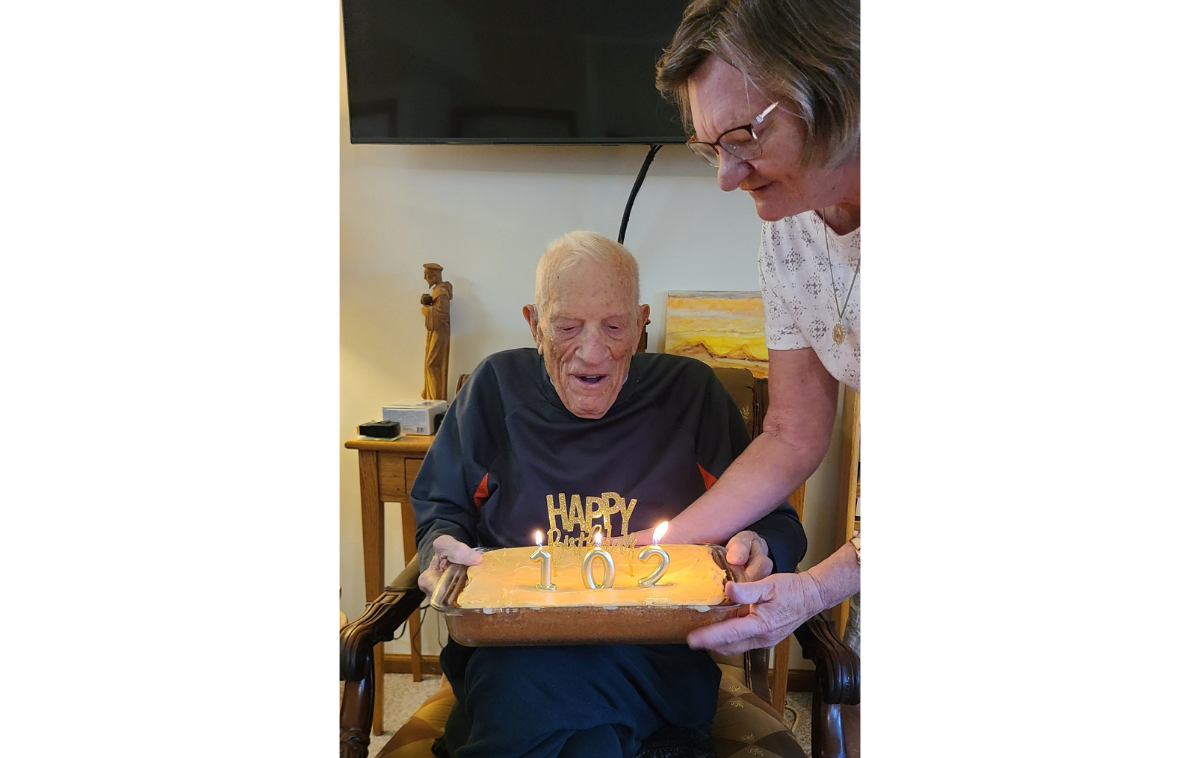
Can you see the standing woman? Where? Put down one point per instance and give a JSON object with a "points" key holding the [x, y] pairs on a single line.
{"points": [[771, 89]]}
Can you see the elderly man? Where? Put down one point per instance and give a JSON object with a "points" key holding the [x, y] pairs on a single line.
{"points": [[581, 415]]}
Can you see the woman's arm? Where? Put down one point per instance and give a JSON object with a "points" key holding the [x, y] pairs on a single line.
{"points": [[793, 443]]}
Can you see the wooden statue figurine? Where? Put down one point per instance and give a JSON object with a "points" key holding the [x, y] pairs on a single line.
{"points": [[436, 308]]}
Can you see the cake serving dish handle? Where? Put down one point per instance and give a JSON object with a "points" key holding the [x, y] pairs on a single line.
{"points": [[577, 625]]}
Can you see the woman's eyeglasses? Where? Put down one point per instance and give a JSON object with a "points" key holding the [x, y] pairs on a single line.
{"points": [[740, 142]]}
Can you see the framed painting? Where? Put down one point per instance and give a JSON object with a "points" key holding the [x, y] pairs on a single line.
{"points": [[719, 328]]}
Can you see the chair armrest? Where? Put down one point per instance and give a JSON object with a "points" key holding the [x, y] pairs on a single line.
{"points": [[756, 663], [379, 621], [406, 579], [836, 663]]}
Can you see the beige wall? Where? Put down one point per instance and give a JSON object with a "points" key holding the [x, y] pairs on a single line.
{"points": [[485, 213]]}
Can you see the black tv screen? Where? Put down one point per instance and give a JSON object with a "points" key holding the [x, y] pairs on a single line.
{"points": [[522, 71]]}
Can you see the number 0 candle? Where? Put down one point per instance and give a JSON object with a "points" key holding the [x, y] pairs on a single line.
{"points": [[610, 571], [547, 563]]}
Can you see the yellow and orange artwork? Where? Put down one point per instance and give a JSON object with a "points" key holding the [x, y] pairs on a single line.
{"points": [[719, 328]]}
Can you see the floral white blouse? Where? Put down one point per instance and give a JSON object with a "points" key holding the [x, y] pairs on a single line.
{"points": [[806, 285]]}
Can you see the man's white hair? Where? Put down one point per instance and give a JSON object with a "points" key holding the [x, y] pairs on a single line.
{"points": [[573, 247]]}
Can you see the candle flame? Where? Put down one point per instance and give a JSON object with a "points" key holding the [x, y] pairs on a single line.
{"points": [[659, 531], [537, 536], [597, 537]]}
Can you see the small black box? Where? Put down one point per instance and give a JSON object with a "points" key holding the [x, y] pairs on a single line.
{"points": [[380, 429]]}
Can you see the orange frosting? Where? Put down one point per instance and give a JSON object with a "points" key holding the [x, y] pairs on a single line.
{"points": [[507, 578]]}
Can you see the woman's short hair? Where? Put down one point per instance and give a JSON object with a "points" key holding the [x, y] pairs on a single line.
{"points": [[573, 247], [806, 51]]}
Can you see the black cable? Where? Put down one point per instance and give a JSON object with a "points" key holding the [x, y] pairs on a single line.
{"points": [[399, 633], [424, 609], [636, 186]]}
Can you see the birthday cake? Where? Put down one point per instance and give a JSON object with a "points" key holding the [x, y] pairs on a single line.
{"points": [[508, 578]]}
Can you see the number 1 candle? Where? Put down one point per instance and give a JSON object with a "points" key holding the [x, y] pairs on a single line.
{"points": [[547, 563]]}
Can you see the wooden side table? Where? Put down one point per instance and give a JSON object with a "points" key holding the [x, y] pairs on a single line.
{"points": [[386, 471]]}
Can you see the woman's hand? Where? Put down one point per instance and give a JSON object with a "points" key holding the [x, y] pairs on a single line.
{"points": [[779, 604], [748, 550], [446, 550]]}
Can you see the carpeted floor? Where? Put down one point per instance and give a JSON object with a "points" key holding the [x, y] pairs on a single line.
{"points": [[402, 696]]}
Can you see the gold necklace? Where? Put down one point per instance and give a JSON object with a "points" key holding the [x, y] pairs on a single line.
{"points": [[839, 332]]}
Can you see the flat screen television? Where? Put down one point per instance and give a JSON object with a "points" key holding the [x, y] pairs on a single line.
{"points": [[521, 71]]}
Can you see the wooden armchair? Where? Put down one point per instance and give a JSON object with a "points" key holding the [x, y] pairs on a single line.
{"points": [[745, 719]]}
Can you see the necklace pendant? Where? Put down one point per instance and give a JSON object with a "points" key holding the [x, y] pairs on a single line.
{"points": [[839, 334]]}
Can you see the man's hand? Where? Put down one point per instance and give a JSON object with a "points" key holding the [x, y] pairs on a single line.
{"points": [[779, 604], [749, 551], [446, 550]]}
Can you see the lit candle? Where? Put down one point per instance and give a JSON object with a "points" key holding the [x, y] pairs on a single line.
{"points": [[610, 571], [654, 549], [547, 562]]}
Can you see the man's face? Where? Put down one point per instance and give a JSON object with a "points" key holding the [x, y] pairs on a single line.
{"points": [[431, 277], [588, 335]]}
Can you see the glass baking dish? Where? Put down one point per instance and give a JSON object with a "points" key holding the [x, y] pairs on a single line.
{"points": [[580, 624]]}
